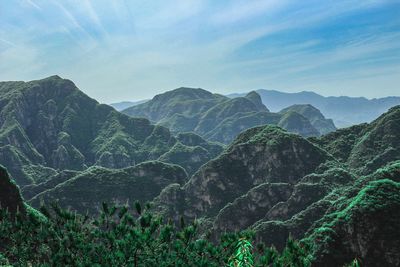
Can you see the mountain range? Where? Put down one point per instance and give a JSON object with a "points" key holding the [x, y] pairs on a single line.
{"points": [[337, 191], [345, 111], [50, 125], [219, 118]]}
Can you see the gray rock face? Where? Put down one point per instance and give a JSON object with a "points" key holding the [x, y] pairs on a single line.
{"points": [[259, 158], [260, 155], [251, 207]]}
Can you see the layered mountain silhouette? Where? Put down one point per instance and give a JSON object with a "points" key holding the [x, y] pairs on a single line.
{"points": [[126, 104], [338, 193], [219, 118], [345, 111]]}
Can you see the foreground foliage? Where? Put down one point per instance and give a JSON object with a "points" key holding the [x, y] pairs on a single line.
{"points": [[120, 237]]}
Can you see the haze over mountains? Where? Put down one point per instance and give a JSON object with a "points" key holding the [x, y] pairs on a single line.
{"points": [[344, 111], [279, 174], [219, 118]]}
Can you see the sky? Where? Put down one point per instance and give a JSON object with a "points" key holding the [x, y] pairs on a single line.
{"points": [[131, 50]]}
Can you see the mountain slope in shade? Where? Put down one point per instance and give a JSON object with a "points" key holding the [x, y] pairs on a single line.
{"points": [[87, 190], [10, 198], [345, 111], [363, 222], [215, 117], [265, 154], [191, 151]]}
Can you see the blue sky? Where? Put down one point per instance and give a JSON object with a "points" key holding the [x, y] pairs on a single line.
{"points": [[131, 50]]}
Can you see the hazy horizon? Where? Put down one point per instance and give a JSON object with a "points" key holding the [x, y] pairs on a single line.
{"points": [[119, 51]]}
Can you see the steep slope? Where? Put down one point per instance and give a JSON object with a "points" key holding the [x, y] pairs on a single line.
{"points": [[297, 123], [265, 154], [191, 151], [361, 223], [366, 147], [49, 125], [210, 119], [215, 117], [87, 190], [10, 198], [315, 117]]}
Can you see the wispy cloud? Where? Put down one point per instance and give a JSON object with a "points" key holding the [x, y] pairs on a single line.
{"points": [[33, 4], [140, 48]]}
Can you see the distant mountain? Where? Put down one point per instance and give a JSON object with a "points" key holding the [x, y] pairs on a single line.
{"points": [[216, 117], [315, 117], [49, 125], [126, 104], [345, 111]]}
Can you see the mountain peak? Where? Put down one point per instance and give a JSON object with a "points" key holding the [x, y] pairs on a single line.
{"points": [[254, 97]]}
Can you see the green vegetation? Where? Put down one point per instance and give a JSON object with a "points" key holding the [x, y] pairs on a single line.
{"points": [[85, 191], [221, 119], [121, 237], [338, 194], [367, 147], [49, 125]]}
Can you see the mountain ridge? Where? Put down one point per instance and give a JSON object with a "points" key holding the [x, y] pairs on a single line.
{"points": [[205, 113], [344, 110]]}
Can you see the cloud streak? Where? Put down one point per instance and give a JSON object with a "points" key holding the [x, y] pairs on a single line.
{"points": [[140, 48]]}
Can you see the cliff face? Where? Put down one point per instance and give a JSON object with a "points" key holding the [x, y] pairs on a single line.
{"points": [[362, 223], [258, 156], [10, 197]]}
